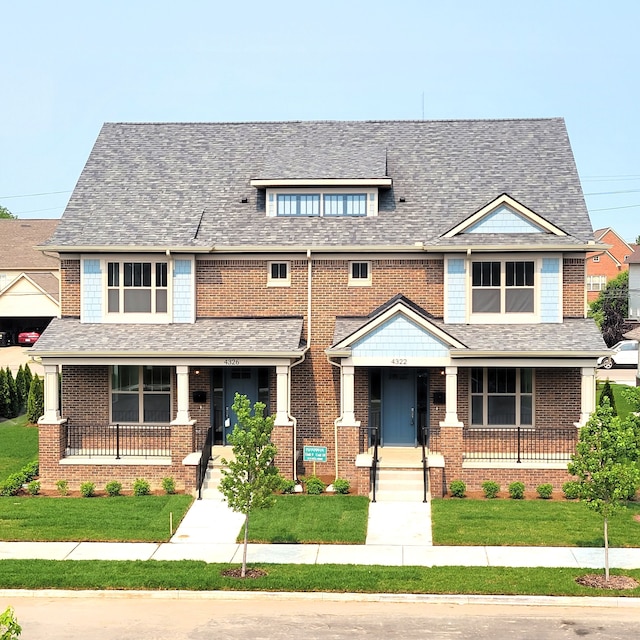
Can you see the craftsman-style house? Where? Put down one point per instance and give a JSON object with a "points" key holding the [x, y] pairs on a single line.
{"points": [[400, 284]]}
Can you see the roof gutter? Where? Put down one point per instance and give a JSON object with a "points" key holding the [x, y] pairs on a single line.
{"points": [[122, 248], [167, 354], [479, 353]]}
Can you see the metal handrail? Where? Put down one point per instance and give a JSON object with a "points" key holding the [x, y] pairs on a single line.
{"points": [[203, 465], [374, 467], [425, 473]]}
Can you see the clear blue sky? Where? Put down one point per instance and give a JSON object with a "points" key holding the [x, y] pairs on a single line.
{"points": [[69, 66]]}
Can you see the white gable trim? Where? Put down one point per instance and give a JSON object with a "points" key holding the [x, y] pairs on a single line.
{"points": [[24, 276], [387, 315], [508, 201]]}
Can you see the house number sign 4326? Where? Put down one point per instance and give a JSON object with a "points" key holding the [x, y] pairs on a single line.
{"points": [[230, 362]]}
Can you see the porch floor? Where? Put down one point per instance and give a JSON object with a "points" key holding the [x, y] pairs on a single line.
{"points": [[399, 457]]}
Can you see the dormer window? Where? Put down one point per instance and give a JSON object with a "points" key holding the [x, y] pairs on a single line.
{"points": [[327, 203]]}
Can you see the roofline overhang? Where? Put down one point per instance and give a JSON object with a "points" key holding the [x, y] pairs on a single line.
{"points": [[481, 353], [123, 248], [322, 182], [493, 248], [200, 355]]}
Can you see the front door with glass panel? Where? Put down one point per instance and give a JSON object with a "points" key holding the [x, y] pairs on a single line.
{"points": [[399, 408], [242, 380]]}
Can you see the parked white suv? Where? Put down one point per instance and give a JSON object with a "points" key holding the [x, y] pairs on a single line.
{"points": [[624, 353]]}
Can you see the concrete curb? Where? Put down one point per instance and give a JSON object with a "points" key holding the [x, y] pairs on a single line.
{"points": [[613, 602]]}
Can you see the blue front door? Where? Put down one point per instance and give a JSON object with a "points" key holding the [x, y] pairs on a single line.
{"points": [[244, 381], [399, 408]]}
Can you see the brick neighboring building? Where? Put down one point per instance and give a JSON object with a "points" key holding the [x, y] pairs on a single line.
{"points": [[419, 282], [607, 263]]}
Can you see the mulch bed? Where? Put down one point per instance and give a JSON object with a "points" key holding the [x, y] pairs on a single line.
{"points": [[237, 573], [599, 581]]}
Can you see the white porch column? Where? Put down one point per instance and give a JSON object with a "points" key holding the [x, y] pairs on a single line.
{"points": [[348, 396], [587, 395], [451, 398], [51, 400], [182, 416], [282, 397]]}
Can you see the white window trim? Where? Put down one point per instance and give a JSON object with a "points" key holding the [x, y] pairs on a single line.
{"points": [[141, 394], [503, 317], [360, 282], [279, 282], [136, 318], [596, 258], [485, 402], [371, 193]]}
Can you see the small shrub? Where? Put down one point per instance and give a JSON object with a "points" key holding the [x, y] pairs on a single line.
{"points": [[491, 489], [33, 487], [169, 486], [571, 490], [113, 488], [342, 486], [516, 490], [545, 490], [287, 485], [63, 487], [12, 485], [314, 485], [458, 488], [30, 471], [141, 487], [88, 489], [9, 627]]}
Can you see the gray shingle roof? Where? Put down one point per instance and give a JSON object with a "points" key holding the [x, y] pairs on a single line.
{"points": [[207, 337], [183, 184]]}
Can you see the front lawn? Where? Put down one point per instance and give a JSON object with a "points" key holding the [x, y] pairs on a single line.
{"points": [[505, 522], [18, 445], [126, 518], [326, 519], [199, 576]]}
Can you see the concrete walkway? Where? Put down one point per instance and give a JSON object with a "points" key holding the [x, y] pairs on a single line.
{"points": [[209, 530]]}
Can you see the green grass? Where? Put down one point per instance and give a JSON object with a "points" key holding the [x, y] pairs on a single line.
{"points": [[623, 406], [18, 445], [529, 523], [136, 519], [328, 519], [199, 576]]}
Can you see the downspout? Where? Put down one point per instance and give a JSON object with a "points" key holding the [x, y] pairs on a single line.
{"points": [[293, 419], [338, 419]]}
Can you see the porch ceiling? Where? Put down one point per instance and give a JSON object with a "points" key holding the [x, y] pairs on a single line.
{"points": [[278, 337]]}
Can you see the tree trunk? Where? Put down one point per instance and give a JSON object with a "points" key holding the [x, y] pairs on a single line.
{"points": [[606, 550], [243, 573]]}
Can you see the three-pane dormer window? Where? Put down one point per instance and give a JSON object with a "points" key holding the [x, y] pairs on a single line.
{"points": [[333, 203], [137, 287]]}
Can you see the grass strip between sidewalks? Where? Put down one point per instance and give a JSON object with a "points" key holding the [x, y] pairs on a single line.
{"points": [[308, 519], [509, 522], [199, 576], [125, 518]]}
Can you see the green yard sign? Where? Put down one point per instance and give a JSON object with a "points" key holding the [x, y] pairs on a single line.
{"points": [[314, 454]]}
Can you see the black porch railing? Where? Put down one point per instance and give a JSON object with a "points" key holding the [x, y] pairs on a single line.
{"points": [[119, 440], [519, 444], [203, 465]]}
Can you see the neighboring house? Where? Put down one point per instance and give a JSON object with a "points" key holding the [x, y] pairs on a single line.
{"points": [[606, 264], [633, 264], [29, 279], [406, 282]]}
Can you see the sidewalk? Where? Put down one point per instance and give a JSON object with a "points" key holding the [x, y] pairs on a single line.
{"points": [[209, 530]]}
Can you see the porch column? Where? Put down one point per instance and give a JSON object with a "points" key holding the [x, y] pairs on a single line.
{"points": [[451, 398], [587, 395], [348, 397], [51, 400], [282, 397], [182, 416]]}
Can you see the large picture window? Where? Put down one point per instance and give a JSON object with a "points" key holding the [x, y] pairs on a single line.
{"points": [[503, 287], [501, 397], [140, 394], [137, 287]]}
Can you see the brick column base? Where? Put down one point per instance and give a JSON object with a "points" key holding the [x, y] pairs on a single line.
{"points": [[51, 449], [348, 449], [437, 488], [182, 444], [282, 437], [451, 448]]}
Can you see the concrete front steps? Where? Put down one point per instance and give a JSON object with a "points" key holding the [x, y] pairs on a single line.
{"points": [[399, 485], [212, 479]]}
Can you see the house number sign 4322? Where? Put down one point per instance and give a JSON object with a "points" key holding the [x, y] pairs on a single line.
{"points": [[399, 361]]}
